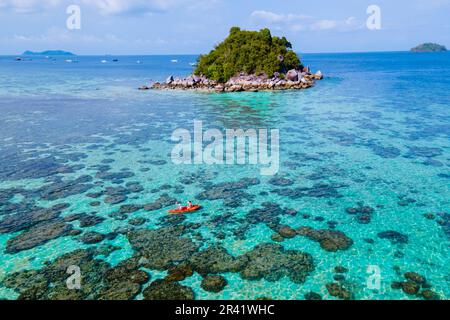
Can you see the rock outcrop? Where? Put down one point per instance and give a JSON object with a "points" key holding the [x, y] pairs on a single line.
{"points": [[293, 80]]}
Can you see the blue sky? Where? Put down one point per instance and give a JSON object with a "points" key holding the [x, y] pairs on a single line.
{"points": [[194, 26]]}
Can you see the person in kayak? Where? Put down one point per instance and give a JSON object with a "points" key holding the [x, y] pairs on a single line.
{"points": [[190, 205], [180, 207]]}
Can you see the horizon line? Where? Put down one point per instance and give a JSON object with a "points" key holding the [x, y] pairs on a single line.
{"points": [[198, 54]]}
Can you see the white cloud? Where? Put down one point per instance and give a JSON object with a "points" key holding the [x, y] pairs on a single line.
{"points": [[117, 7], [111, 7], [300, 22], [272, 17], [27, 6], [348, 24], [55, 36]]}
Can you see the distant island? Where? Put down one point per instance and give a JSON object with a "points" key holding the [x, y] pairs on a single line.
{"points": [[429, 47], [48, 53], [246, 61]]}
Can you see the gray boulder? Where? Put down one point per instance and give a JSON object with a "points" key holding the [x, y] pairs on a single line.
{"points": [[292, 75], [169, 80]]}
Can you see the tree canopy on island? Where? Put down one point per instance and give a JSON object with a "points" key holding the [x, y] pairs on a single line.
{"points": [[252, 52]]}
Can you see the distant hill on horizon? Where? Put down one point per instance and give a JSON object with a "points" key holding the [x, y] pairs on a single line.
{"points": [[429, 47], [48, 53]]}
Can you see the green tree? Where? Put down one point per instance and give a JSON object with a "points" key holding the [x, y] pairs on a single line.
{"points": [[252, 52]]}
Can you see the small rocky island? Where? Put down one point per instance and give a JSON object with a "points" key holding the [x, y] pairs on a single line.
{"points": [[246, 61], [429, 47], [48, 53]]}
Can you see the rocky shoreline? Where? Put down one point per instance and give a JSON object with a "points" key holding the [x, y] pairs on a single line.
{"points": [[293, 80]]}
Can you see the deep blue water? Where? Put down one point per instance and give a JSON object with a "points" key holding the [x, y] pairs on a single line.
{"points": [[365, 159]]}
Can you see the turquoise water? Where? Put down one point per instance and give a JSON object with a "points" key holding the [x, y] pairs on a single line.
{"points": [[374, 133]]}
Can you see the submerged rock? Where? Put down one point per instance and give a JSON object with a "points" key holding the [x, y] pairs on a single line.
{"points": [[164, 201], [35, 168], [162, 248], [27, 219], [214, 283], [179, 273], [63, 189], [86, 220], [215, 260], [410, 287], [162, 290], [49, 283], [430, 295], [294, 79], [313, 296], [425, 152], [115, 199], [415, 277], [269, 214], [330, 240], [281, 182], [338, 291], [123, 282], [38, 235], [99, 280], [394, 237], [286, 232], [271, 262], [320, 190], [363, 213], [92, 237], [137, 221], [231, 192], [340, 269]]}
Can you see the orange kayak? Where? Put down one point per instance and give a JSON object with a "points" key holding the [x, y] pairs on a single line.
{"points": [[185, 210]]}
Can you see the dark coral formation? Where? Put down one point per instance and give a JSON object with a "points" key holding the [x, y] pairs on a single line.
{"points": [[269, 214], [281, 182], [40, 225], [394, 237], [92, 237], [28, 218], [363, 213], [313, 296], [23, 168], [444, 222], [62, 189], [320, 190], [232, 193], [214, 284], [416, 285], [162, 290], [38, 235], [163, 248], [330, 240], [99, 280], [163, 201], [271, 262], [179, 272], [339, 291], [216, 260]]}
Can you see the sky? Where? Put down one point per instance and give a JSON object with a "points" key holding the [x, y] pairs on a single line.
{"points": [[139, 27]]}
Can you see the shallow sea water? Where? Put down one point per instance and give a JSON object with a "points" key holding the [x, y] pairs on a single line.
{"points": [[375, 132]]}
